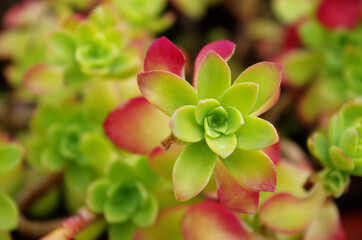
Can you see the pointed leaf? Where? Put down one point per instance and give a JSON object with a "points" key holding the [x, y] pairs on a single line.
{"points": [[287, 214], [210, 220], [256, 133], [242, 96], [166, 90], [318, 146], [192, 170], [349, 142], [161, 161], [184, 126], [235, 120], [213, 77], [62, 44], [339, 160], [273, 152], [136, 126], [232, 195], [223, 48], [97, 195], [268, 76], [164, 55], [252, 169], [8, 212], [223, 145], [203, 107], [147, 214]]}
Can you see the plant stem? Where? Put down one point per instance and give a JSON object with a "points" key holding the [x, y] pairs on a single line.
{"points": [[36, 229], [72, 225]]}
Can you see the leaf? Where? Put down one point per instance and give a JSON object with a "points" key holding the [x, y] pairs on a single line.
{"points": [[327, 224], [223, 145], [146, 215], [103, 16], [210, 220], [289, 11], [268, 76], [349, 142], [167, 225], [52, 160], [86, 33], [213, 77], [318, 146], [166, 90], [192, 170], [223, 48], [256, 133], [336, 14], [10, 155], [184, 126], [242, 96], [287, 214], [123, 200], [232, 195], [136, 126], [164, 55], [62, 44], [339, 160], [161, 161], [121, 172], [97, 195], [8, 212], [203, 107], [124, 231], [235, 120], [252, 169], [97, 150], [43, 79]]}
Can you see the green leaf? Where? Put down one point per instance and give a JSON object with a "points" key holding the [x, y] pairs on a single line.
{"points": [[339, 160], [103, 16], [123, 201], [5, 235], [213, 77], [97, 150], [349, 142], [166, 90], [46, 204], [62, 44], [86, 33], [121, 172], [318, 146], [335, 128], [146, 215], [242, 96], [209, 131], [97, 195], [10, 155], [268, 76], [92, 231], [235, 120], [203, 107], [124, 231], [313, 34], [223, 145], [184, 126], [8, 212], [334, 181], [252, 169], [192, 170], [256, 133], [289, 11], [52, 160]]}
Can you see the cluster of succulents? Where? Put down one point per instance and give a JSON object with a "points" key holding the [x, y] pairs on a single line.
{"points": [[124, 141]]}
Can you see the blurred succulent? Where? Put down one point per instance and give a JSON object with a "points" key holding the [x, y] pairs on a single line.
{"points": [[145, 15], [95, 47], [124, 198], [11, 155], [217, 120], [193, 9], [341, 152]]}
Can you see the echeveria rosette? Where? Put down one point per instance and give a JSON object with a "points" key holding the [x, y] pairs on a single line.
{"points": [[97, 47], [217, 119], [124, 198], [341, 151]]}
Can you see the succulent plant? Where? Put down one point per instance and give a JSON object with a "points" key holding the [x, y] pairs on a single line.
{"points": [[341, 151], [217, 119]]}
